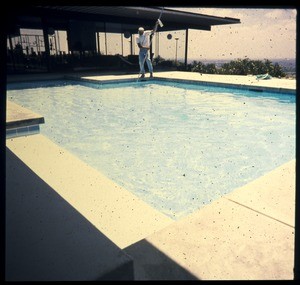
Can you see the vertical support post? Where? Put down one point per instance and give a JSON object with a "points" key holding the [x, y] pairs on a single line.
{"points": [[151, 47], [70, 51], [186, 47], [46, 41], [176, 39], [98, 42], [105, 38], [157, 44], [55, 43], [12, 53], [131, 49], [58, 41], [122, 44]]}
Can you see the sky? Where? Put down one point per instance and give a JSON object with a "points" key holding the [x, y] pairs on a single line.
{"points": [[262, 33]]}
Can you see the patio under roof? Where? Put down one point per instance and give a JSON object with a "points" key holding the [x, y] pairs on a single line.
{"points": [[88, 20]]}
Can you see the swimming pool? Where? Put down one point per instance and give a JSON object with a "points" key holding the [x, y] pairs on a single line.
{"points": [[176, 146]]}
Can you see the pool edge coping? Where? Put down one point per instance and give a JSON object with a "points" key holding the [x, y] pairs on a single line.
{"points": [[132, 78], [189, 81]]}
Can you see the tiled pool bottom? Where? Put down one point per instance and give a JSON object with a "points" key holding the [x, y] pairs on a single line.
{"points": [[176, 146]]}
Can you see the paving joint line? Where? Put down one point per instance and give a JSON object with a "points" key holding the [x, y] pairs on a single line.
{"points": [[260, 212]]}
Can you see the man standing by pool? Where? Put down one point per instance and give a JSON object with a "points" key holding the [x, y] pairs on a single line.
{"points": [[143, 42]]}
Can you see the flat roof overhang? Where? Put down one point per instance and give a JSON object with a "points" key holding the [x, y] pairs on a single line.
{"points": [[124, 17]]}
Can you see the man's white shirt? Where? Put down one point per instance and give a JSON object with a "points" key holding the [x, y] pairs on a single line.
{"points": [[144, 39]]}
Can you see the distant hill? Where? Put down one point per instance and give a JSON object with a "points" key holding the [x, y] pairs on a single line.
{"points": [[288, 65]]}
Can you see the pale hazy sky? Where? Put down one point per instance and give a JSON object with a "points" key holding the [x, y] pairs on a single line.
{"points": [[262, 33]]}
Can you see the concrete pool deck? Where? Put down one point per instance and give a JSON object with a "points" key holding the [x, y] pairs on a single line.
{"points": [[238, 81], [275, 84], [116, 212], [245, 235]]}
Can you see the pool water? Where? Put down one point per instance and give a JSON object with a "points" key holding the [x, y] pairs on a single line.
{"points": [[176, 146]]}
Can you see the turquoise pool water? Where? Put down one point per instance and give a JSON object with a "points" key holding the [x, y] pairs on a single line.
{"points": [[176, 146]]}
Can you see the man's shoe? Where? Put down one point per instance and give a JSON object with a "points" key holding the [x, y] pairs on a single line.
{"points": [[151, 75], [142, 76]]}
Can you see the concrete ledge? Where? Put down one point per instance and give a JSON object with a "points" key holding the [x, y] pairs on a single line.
{"points": [[48, 240], [21, 121], [246, 235], [116, 212], [273, 194], [108, 81], [234, 81], [248, 82], [232, 85], [18, 116], [222, 241]]}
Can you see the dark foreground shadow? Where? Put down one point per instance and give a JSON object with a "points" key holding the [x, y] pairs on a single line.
{"points": [[152, 264], [48, 240]]}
